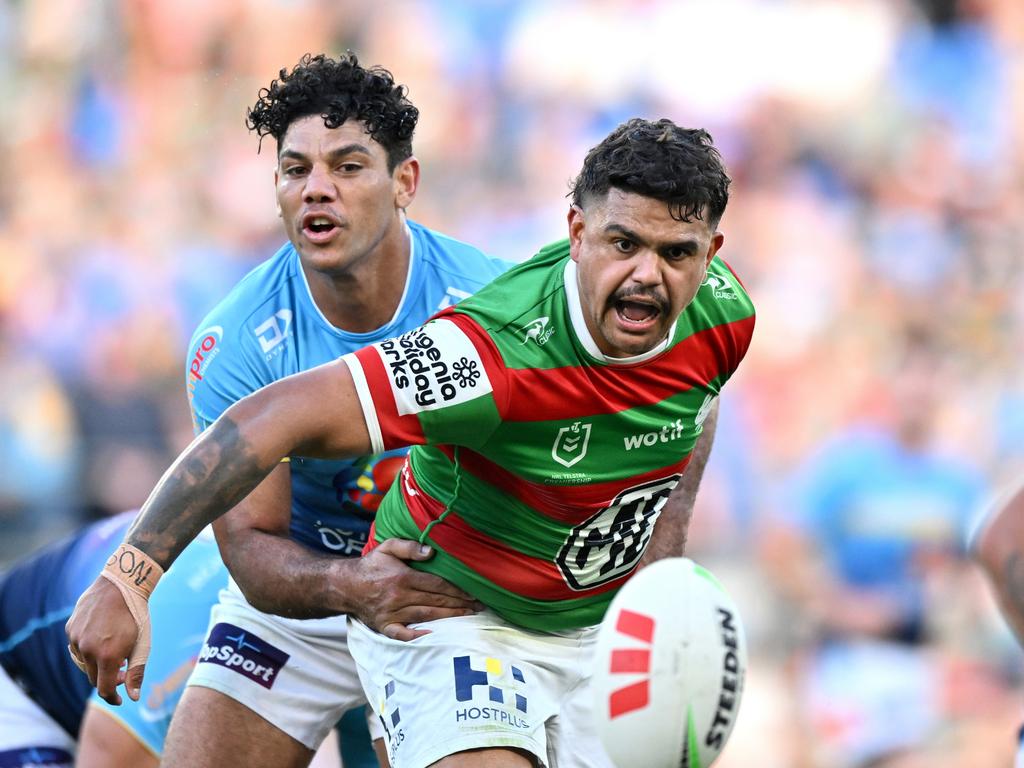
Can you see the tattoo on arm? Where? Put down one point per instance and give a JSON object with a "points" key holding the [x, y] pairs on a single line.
{"points": [[215, 473]]}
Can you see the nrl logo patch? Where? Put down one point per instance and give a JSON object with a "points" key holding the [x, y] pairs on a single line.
{"points": [[571, 444], [538, 331]]}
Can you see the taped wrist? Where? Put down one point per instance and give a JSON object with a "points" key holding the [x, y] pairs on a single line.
{"points": [[135, 574]]}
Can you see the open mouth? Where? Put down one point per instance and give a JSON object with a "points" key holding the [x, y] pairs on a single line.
{"points": [[637, 314], [319, 229]]}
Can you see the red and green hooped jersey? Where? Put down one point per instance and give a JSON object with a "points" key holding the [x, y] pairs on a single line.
{"points": [[540, 466]]}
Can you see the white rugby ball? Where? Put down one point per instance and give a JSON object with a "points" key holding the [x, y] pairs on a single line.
{"points": [[669, 666]]}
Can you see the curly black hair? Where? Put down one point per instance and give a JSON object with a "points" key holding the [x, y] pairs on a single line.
{"points": [[339, 90], [661, 160]]}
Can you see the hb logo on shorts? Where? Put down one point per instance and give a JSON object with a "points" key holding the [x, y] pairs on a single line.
{"points": [[247, 654], [490, 678]]}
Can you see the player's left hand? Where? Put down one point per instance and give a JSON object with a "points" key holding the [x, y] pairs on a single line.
{"points": [[102, 634]]}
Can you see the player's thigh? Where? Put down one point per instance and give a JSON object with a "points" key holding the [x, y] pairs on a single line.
{"points": [[211, 730], [105, 742]]}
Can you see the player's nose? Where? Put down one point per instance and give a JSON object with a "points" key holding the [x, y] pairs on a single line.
{"points": [[319, 187]]}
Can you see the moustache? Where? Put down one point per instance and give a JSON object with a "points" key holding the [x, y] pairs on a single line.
{"points": [[649, 295]]}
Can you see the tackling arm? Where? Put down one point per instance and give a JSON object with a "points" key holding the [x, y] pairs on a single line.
{"points": [[669, 537], [315, 413]]}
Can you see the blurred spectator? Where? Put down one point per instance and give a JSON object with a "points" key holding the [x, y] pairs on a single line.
{"points": [[871, 523]]}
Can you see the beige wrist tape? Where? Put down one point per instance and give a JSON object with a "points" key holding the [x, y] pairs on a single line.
{"points": [[135, 575]]}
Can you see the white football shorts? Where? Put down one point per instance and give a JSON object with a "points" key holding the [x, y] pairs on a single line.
{"points": [[479, 681], [295, 673]]}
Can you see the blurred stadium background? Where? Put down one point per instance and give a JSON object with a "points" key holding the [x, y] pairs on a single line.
{"points": [[877, 219]]}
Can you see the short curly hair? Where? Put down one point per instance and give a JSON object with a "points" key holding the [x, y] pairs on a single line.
{"points": [[338, 89], [661, 160]]}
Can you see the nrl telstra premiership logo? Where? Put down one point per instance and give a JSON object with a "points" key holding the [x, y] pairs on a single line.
{"points": [[571, 444]]}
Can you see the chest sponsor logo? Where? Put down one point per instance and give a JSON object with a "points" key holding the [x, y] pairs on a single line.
{"points": [[207, 348], [721, 287], [272, 331], [571, 444], [433, 367], [247, 654], [611, 543], [496, 692], [452, 297], [538, 331], [666, 434]]}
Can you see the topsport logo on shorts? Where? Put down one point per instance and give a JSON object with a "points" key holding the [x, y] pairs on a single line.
{"points": [[247, 654]]}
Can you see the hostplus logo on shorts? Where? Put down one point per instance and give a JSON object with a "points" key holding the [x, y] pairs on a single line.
{"points": [[247, 654], [488, 684]]}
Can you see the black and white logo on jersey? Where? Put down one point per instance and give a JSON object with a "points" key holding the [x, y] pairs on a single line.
{"points": [[611, 543], [433, 367]]}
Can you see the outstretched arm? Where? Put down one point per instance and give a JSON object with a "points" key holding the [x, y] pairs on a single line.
{"points": [[315, 413], [669, 537]]}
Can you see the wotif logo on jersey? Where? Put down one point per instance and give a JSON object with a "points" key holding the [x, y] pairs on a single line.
{"points": [[666, 434], [571, 444], [247, 654]]}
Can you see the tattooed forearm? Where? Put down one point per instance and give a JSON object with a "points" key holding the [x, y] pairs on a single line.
{"points": [[215, 473]]}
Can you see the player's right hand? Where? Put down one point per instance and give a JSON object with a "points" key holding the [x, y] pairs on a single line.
{"points": [[102, 634], [389, 595]]}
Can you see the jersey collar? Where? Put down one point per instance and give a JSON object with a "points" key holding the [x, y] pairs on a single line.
{"points": [[376, 332], [579, 325]]}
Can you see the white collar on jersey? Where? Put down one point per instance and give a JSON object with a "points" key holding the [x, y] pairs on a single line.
{"points": [[572, 295], [401, 302]]}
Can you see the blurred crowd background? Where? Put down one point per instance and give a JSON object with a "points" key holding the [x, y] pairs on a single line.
{"points": [[877, 151]]}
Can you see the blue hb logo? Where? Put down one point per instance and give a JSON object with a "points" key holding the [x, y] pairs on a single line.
{"points": [[467, 678]]}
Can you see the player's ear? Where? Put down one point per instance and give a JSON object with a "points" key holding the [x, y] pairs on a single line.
{"points": [[576, 226], [406, 181]]}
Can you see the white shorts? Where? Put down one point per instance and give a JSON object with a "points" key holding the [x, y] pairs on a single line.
{"points": [[26, 728], [296, 674], [478, 681]]}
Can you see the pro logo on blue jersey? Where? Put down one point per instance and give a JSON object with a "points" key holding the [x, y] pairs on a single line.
{"points": [[490, 685], [248, 654]]}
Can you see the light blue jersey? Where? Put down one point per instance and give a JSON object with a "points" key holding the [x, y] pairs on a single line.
{"points": [[268, 327]]}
